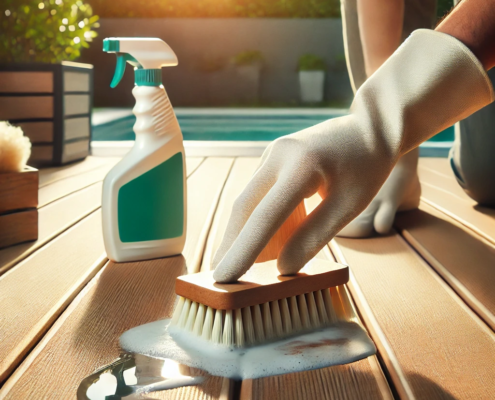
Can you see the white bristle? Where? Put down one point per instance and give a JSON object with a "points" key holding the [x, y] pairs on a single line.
{"points": [[267, 321], [228, 329], [276, 319], [178, 311], [294, 312], [303, 311], [184, 314], [320, 305], [208, 324], [216, 333], [200, 319], [286, 319], [247, 319], [239, 329], [327, 298], [313, 312], [263, 322], [192, 316], [258, 324]]}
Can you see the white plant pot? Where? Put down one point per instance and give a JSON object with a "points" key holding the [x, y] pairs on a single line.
{"points": [[312, 85]]}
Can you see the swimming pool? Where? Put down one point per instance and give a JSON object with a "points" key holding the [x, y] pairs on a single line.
{"points": [[239, 125]]}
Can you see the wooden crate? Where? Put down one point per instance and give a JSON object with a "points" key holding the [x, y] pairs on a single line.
{"points": [[52, 104], [18, 206]]}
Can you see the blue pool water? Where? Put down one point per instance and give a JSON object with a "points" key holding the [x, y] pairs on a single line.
{"points": [[252, 126]]}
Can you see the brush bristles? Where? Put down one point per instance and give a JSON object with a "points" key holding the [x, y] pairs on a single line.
{"points": [[257, 324]]}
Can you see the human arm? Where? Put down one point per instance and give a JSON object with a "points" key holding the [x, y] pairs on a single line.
{"points": [[429, 83]]}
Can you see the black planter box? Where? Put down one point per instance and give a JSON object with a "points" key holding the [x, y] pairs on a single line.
{"points": [[52, 104]]}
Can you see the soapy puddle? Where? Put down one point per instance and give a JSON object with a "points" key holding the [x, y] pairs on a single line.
{"points": [[134, 376], [337, 344]]}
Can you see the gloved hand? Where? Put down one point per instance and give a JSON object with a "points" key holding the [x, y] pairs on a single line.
{"points": [[429, 83], [400, 192]]}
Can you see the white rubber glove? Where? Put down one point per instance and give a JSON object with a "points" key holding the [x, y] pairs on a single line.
{"points": [[430, 82], [400, 192]]}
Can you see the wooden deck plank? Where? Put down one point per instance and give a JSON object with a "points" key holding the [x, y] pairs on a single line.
{"points": [[242, 171], [53, 174], [71, 184], [76, 178], [33, 294], [199, 221], [120, 297], [461, 257], [53, 219], [360, 380], [442, 350], [61, 214], [441, 191]]}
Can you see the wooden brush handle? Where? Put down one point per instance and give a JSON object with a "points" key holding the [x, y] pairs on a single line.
{"points": [[261, 284]]}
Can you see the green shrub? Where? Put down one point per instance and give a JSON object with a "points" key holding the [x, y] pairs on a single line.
{"points": [[311, 62], [217, 8], [248, 57], [46, 31]]}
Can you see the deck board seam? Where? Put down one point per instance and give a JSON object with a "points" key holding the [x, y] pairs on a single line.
{"points": [[449, 288], [390, 366], [49, 334], [207, 227], [30, 252], [461, 221]]}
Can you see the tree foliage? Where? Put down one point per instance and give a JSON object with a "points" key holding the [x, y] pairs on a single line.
{"points": [[218, 8], [47, 31]]}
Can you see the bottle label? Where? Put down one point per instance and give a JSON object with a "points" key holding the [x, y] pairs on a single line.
{"points": [[151, 207]]}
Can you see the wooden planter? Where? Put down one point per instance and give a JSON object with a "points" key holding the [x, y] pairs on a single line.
{"points": [[18, 206], [52, 104]]}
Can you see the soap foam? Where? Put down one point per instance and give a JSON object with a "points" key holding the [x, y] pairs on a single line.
{"points": [[341, 343]]}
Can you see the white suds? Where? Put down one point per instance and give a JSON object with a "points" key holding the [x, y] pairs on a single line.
{"points": [[332, 345]]}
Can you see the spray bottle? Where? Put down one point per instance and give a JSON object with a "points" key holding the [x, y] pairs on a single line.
{"points": [[144, 195]]}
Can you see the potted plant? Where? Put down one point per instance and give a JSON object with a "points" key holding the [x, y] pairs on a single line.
{"points": [[248, 68], [311, 78], [41, 90]]}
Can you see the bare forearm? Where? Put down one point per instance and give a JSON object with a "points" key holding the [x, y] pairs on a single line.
{"points": [[380, 26], [473, 23]]}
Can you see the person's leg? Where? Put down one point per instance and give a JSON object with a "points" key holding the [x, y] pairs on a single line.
{"points": [[381, 33], [472, 157]]}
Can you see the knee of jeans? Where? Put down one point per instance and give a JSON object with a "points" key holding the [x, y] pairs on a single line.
{"points": [[479, 184]]}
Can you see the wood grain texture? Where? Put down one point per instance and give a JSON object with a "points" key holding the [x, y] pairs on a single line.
{"points": [[360, 380], [26, 82], [33, 294], [262, 284], [460, 256], [441, 191], [121, 297], [18, 190], [53, 219], [204, 186], [54, 174], [444, 350], [26, 107], [61, 214], [62, 187], [37, 132], [356, 381], [18, 227]]}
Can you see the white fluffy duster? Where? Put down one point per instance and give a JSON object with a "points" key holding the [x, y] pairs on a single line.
{"points": [[15, 148]]}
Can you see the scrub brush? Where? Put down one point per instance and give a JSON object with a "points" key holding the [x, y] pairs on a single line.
{"points": [[262, 306]]}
